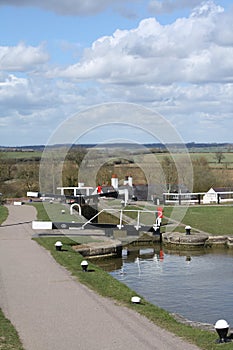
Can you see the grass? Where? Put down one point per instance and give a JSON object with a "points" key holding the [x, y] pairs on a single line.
{"points": [[41, 212], [9, 339], [210, 156], [215, 220], [53, 212], [3, 213], [20, 155], [104, 284]]}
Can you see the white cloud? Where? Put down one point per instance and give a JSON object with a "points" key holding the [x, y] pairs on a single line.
{"points": [[26, 96], [206, 8], [222, 33], [182, 70], [21, 57], [188, 50], [32, 107]]}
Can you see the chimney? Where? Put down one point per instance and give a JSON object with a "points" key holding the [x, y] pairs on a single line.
{"points": [[130, 181], [114, 181]]}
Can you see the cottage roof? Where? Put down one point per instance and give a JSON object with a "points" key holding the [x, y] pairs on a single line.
{"points": [[223, 189]]}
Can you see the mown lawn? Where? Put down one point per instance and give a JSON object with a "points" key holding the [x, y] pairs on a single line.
{"points": [[216, 220], [53, 212], [213, 219]]}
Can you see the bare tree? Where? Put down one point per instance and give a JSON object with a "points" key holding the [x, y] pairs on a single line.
{"points": [[203, 175], [170, 172], [29, 174], [219, 156]]}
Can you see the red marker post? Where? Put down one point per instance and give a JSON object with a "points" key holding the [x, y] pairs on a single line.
{"points": [[158, 222], [159, 212], [99, 189]]}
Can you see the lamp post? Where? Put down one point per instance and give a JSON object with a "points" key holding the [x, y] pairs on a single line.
{"points": [[58, 245], [188, 230], [84, 265], [222, 327], [136, 300]]}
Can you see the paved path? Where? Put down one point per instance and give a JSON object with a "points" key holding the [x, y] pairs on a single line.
{"points": [[52, 311]]}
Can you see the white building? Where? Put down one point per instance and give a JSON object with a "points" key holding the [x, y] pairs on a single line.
{"points": [[210, 197], [218, 195]]}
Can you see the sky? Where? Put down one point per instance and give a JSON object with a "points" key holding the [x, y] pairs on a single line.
{"points": [[60, 58]]}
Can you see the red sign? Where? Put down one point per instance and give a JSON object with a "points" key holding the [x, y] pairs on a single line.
{"points": [[160, 212]]}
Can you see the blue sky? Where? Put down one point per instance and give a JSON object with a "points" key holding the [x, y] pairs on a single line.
{"points": [[58, 58]]}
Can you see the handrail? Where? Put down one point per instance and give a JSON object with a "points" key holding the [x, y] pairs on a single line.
{"points": [[121, 216]]}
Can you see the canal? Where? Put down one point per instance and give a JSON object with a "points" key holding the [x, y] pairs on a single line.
{"points": [[195, 284]]}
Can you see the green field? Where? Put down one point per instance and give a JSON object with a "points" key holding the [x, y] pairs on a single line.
{"points": [[21, 155], [209, 156], [215, 220]]}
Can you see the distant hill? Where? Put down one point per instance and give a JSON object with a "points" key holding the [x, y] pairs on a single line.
{"points": [[191, 146]]}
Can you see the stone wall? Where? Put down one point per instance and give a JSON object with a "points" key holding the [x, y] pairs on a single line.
{"points": [[196, 239]]}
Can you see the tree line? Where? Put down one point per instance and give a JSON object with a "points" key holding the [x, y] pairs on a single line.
{"points": [[18, 176]]}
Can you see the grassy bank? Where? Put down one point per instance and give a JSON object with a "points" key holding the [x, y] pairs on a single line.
{"points": [[104, 284], [9, 338], [3, 213]]}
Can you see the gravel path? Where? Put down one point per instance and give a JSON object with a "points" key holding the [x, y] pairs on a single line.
{"points": [[52, 311]]}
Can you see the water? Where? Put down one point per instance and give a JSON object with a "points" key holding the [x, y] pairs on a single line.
{"points": [[196, 285]]}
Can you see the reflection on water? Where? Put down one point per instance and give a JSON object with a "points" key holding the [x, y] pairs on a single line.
{"points": [[195, 284]]}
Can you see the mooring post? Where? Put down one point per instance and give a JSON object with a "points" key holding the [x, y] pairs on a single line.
{"points": [[164, 198], [179, 196], [138, 221], [120, 224]]}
